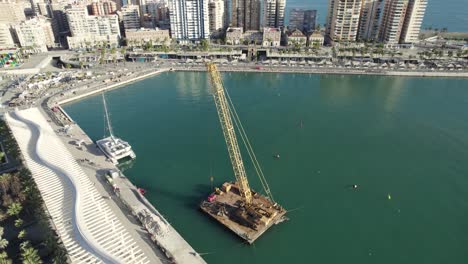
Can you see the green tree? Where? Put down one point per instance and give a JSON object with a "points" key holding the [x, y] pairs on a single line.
{"points": [[19, 222], [30, 256], [14, 209], [60, 257], [204, 44], [5, 182], [3, 241], [4, 258], [450, 53], [22, 234], [68, 66], [148, 45]]}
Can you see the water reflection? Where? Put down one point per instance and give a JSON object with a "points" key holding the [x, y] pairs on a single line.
{"points": [[393, 88], [341, 91], [192, 86]]}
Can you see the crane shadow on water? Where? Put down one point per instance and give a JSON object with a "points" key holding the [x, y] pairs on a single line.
{"points": [[188, 199]]}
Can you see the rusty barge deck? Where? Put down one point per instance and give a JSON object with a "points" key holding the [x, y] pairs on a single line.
{"points": [[248, 222]]}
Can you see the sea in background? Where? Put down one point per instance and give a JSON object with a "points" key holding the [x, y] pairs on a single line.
{"points": [[404, 141], [452, 14]]}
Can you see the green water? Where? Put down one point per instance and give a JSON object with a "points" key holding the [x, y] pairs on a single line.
{"points": [[403, 137]]}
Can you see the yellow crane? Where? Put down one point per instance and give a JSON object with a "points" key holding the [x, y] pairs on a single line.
{"points": [[224, 114], [244, 211]]}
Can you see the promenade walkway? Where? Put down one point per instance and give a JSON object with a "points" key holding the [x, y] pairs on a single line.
{"points": [[89, 230]]}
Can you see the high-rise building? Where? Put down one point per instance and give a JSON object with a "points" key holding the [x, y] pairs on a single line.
{"points": [[130, 17], [273, 13], [35, 33], [302, 19], [371, 14], [310, 18], [35, 6], [246, 14], [343, 20], [6, 40], [89, 31], [104, 7], [189, 20], [45, 9], [11, 12], [393, 20], [159, 11], [60, 22], [217, 14], [413, 21], [296, 18]]}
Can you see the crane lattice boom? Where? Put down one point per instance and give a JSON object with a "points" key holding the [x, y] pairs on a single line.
{"points": [[224, 114]]}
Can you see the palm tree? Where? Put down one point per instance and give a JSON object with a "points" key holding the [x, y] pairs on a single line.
{"points": [[22, 234], [19, 222], [5, 182], [14, 209], [3, 242], [60, 257], [4, 258], [30, 256]]}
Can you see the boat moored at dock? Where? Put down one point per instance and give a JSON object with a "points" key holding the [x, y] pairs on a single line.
{"points": [[113, 147]]}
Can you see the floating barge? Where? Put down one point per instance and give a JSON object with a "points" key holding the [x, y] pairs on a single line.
{"points": [[248, 222]]}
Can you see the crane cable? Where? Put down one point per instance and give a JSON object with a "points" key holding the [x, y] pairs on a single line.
{"points": [[252, 155], [248, 146]]}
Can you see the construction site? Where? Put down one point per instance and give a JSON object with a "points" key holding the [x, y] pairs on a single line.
{"points": [[235, 205]]}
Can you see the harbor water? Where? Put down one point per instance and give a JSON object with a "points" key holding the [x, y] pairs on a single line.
{"points": [[402, 141]]}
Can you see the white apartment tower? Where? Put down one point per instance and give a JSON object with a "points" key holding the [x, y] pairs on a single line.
{"points": [[343, 20], [371, 14], [273, 13], [413, 21], [6, 40], [11, 12], [217, 15], [189, 20], [35, 33], [89, 31]]}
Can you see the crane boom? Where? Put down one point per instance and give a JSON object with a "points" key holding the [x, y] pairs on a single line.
{"points": [[224, 114]]}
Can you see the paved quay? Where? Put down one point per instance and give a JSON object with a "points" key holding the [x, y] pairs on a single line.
{"points": [[89, 225], [95, 223], [81, 92]]}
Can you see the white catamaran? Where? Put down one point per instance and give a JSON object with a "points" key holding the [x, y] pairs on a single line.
{"points": [[114, 148]]}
